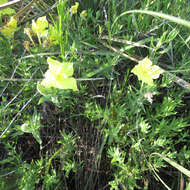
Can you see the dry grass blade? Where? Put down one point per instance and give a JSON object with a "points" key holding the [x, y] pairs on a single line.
{"points": [[136, 44], [119, 52], [159, 177]]}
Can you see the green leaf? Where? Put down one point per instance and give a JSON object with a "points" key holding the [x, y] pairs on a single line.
{"points": [[26, 128], [156, 14], [174, 164], [43, 90], [3, 1], [188, 186], [53, 35], [10, 28], [146, 72], [7, 11], [32, 126], [36, 135]]}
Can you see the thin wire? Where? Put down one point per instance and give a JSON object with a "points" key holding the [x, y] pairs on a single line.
{"points": [[19, 91], [11, 75], [18, 80], [8, 173], [8, 82], [5, 5], [7, 128]]}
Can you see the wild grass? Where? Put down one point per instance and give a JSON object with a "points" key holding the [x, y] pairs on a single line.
{"points": [[115, 132]]}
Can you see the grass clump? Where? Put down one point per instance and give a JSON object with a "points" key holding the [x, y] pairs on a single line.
{"points": [[110, 111]]}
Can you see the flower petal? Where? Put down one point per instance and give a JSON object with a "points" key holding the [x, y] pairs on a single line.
{"points": [[146, 72]]}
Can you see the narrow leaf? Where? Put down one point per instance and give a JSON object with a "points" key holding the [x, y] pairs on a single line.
{"points": [[174, 164]]}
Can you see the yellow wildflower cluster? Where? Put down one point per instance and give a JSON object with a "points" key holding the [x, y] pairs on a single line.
{"points": [[42, 28], [74, 10]]}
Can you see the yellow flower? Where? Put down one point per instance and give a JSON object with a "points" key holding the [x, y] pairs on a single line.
{"points": [[83, 14], [10, 28], [39, 27], [146, 72], [74, 8], [59, 75]]}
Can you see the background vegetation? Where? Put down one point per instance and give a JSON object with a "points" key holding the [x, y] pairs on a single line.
{"points": [[115, 132]]}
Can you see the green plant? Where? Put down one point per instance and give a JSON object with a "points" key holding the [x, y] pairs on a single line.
{"points": [[7, 11], [106, 122], [32, 126]]}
